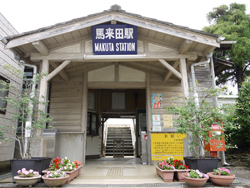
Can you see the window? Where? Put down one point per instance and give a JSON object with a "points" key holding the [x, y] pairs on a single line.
{"points": [[92, 128], [3, 94]]}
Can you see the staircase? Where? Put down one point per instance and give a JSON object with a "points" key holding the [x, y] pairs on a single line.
{"points": [[119, 133]]}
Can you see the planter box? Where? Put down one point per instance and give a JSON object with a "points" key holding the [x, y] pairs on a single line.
{"points": [[54, 182], [28, 181], [223, 181], [195, 182], [203, 165], [36, 163], [72, 174], [178, 174], [166, 175]]}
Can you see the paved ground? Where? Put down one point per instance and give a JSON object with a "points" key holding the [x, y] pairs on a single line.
{"points": [[128, 172]]}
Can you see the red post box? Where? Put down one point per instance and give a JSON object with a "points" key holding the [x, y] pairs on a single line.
{"points": [[214, 143]]}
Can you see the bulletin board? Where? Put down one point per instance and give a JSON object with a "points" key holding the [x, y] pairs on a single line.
{"points": [[165, 145]]}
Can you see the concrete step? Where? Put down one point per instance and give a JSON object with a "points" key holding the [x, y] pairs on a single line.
{"points": [[123, 134], [125, 147], [119, 136], [126, 142], [125, 154]]}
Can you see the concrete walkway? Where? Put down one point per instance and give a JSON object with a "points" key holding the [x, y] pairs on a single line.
{"points": [[122, 172]]}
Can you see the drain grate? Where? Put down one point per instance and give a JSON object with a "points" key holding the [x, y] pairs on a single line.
{"points": [[115, 171]]}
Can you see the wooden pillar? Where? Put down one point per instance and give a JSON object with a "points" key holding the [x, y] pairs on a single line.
{"points": [[43, 86], [149, 115], [184, 81], [84, 113]]}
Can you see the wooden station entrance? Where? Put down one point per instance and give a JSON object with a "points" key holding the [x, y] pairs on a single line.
{"points": [[75, 74]]}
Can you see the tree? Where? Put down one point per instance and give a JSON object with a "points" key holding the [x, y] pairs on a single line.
{"points": [[26, 105], [233, 23], [242, 136], [196, 118]]}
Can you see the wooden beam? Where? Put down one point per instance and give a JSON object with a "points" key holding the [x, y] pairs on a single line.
{"points": [[138, 68], [95, 67], [57, 70], [150, 56], [62, 73], [185, 46], [56, 56], [148, 115], [118, 85], [205, 52], [170, 68], [41, 47], [184, 81], [169, 73]]}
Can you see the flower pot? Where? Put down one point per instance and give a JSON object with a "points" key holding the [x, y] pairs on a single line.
{"points": [[178, 174], [204, 165], [166, 175], [194, 182], [36, 163], [72, 174], [221, 180], [54, 182], [27, 181]]}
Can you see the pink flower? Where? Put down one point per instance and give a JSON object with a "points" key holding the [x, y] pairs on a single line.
{"points": [[31, 170], [36, 173], [219, 173], [19, 171], [26, 172], [23, 170]]}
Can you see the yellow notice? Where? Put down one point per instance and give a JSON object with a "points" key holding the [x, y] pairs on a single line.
{"points": [[165, 145], [167, 120]]}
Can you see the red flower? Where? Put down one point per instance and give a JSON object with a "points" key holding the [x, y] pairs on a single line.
{"points": [[187, 167]]}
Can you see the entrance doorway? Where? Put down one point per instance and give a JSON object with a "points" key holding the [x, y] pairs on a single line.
{"points": [[114, 120], [119, 137]]}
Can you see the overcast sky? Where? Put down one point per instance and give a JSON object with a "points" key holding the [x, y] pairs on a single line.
{"points": [[27, 15]]}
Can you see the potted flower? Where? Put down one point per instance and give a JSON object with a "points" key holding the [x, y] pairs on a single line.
{"points": [[195, 178], [180, 169], [73, 169], [221, 177], [56, 164], [55, 178], [165, 171], [24, 101], [27, 177], [195, 119]]}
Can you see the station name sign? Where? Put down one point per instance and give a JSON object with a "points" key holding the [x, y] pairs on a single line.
{"points": [[114, 39]]}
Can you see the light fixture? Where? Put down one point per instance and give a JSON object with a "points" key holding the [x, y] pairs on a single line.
{"points": [[139, 56]]}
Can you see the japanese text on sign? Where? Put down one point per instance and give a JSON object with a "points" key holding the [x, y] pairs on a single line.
{"points": [[114, 39], [165, 145]]}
